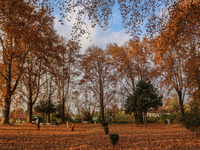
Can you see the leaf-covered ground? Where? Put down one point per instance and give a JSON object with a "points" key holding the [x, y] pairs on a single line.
{"points": [[156, 136]]}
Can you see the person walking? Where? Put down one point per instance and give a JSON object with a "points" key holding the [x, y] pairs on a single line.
{"points": [[72, 127], [67, 124], [168, 122]]}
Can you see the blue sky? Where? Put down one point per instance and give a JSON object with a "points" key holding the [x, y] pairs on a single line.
{"points": [[99, 37]]}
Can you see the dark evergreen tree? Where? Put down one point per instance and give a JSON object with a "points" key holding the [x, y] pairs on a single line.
{"points": [[46, 107], [144, 97], [59, 111]]}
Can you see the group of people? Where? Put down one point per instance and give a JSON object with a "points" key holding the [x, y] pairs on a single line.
{"points": [[38, 125]]}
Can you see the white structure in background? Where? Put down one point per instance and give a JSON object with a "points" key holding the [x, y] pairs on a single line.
{"points": [[154, 115]]}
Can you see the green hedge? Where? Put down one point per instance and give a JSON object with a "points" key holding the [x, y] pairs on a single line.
{"points": [[114, 138]]}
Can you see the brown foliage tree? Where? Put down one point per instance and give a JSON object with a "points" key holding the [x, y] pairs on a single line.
{"points": [[16, 36], [38, 63], [67, 70], [99, 76], [176, 49], [124, 65], [24, 44]]}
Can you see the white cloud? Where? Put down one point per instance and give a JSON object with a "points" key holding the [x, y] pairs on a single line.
{"points": [[98, 36]]}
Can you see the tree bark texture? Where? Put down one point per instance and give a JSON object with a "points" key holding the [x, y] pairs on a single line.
{"points": [[63, 112], [181, 103], [6, 110], [30, 112], [145, 119]]}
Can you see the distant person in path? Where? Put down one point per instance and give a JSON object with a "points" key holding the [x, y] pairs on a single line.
{"points": [[38, 124], [72, 127], [168, 122]]}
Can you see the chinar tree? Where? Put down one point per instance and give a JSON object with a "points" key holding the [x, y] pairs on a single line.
{"points": [[144, 97]]}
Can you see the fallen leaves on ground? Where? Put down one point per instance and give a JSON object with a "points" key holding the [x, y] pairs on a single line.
{"points": [[156, 136]]}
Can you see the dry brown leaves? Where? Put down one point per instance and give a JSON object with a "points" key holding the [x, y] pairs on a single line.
{"points": [[156, 136]]}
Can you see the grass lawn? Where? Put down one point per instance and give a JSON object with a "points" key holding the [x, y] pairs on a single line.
{"points": [[156, 136]]}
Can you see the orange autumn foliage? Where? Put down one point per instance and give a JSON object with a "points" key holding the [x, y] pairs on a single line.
{"points": [[176, 49], [99, 76], [23, 32], [131, 61]]}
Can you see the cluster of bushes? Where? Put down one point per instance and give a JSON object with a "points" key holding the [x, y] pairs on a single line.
{"points": [[174, 118], [55, 119], [122, 117], [77, 119], [113, 137], [191, 119]]}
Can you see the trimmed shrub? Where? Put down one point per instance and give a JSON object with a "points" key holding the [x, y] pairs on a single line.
{"points": [[114, 138], [106, 130], [104, 124]]}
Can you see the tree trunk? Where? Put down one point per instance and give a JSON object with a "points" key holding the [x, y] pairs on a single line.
{"points": [[136, 118], [101, 91], [49, 118], [6, 110], [48, 114], [63, 111], [133, 86], [101, 111], [101, 103], [145, 119], [29, 112], [140, 118], [30, 103], [197, 94], [180, 103], [44, 120]]}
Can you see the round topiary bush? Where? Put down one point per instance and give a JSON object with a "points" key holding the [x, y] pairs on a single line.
{"points": [[114, 138], [106, 130]]}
